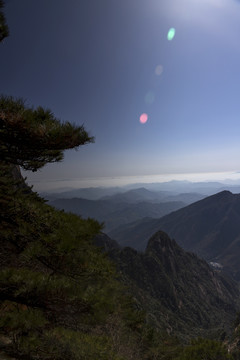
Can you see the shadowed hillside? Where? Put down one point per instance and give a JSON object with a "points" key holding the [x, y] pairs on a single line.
{"points": [[179, 291], [209, 227], [116, 213]]}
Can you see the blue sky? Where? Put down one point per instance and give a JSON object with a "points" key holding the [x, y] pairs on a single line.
{"points": [[93, 62]]}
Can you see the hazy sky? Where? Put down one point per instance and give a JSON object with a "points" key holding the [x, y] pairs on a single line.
{"points": [[103, 63]]}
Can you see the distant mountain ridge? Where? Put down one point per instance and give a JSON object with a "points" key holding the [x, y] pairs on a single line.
{"points": [[124, 207], [137, 195], [173, 187], [179, 291], [92, 193], [114, 213], [209, 227]]}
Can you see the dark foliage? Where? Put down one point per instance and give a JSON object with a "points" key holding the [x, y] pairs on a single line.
{"points": [[33, 137], [4, 31]]}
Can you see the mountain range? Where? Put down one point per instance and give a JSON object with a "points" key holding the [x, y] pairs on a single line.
{"points": [[117, 210], [164, 189], [54, 281], [122, 207], [209, 228]]}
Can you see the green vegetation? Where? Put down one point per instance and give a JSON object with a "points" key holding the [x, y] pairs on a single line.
{"points": [[200, 349], [33, 137], [55, 284]]}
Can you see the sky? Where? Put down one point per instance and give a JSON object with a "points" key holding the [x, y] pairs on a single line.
{"points": [[111, 65]]}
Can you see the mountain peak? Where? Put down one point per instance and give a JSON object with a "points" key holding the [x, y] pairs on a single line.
{"points": [[176, 288], [160, 242], [223, 193], [209, 228]]}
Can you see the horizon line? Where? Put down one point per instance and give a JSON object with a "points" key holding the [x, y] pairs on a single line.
{"points": [[121, 181]]}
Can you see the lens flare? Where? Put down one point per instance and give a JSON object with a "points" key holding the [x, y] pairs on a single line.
{"points": [[171, 34], [159, 70], [149, 97], [143, 118]]}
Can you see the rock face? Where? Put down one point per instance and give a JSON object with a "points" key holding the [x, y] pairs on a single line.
{"points": [[20, 181], [210, 228], [179, 291]]}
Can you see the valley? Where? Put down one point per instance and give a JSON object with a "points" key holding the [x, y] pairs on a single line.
{"points": [[207, 225]]}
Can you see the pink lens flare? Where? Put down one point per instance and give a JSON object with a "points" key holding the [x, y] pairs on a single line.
{"points": [[143, 118]]}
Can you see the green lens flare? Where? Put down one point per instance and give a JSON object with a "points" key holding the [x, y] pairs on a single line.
{"points": [[171, 34]]}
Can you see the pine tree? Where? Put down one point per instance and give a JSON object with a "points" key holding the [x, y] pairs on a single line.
{"points": [[54, 284], [4, 31], [32, 138]]}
